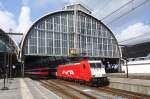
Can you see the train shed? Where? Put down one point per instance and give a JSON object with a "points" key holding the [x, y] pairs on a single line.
{"points": [[72, 33]]}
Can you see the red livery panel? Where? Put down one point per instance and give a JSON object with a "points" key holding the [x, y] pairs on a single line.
{"points": [[78, 71]]}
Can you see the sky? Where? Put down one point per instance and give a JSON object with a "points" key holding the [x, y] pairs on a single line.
{"points": [[130, 28]]}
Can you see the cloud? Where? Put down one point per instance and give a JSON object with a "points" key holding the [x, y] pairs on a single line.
{"points": [[7, 21], [134, 34], [24, 21]]}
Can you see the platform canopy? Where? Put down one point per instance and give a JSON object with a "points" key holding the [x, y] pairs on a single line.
{"points": [[7, 44]]}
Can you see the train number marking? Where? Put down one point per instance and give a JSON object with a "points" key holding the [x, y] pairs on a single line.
{"points": [[68, 72]]}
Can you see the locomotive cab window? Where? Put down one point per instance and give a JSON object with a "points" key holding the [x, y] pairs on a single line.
{"points": [[93, 65], [96, 65]]}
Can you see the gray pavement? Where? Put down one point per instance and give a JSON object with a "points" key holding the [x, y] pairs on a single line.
{"points": [[25, 88], [14, 89]]}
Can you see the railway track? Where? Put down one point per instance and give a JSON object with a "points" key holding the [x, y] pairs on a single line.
{"points": [[65, 91], [123, 93], [113, 91], [88, 90]]}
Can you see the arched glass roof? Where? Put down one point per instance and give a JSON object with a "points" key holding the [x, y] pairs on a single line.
{"points": [[58, 33]]}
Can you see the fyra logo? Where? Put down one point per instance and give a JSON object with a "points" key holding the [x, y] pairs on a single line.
{"points": [[68, 72]]}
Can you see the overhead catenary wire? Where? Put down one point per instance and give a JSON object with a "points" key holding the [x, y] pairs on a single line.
{"points": [[132, 9], [126, 13], [116, 10], [133, 38]]}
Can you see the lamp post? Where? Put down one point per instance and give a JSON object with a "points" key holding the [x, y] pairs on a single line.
{"points": [[5, 73], [13, 67], [127, 68], [125, 57], [22, 68]]}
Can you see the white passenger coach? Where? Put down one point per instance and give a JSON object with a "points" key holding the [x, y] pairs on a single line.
{"points": [[140, 66]]}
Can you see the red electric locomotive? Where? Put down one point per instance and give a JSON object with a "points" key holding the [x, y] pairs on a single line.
{"points": [[87, 72]]}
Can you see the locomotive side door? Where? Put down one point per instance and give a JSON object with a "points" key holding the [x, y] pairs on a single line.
{"points": [[85, 72], [82, 71]]}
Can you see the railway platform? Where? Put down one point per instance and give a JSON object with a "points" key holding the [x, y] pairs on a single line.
{"points": [[129, 84], [145, 76], [25, 88]]}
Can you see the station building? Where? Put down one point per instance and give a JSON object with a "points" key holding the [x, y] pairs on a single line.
{"points": [[72, 33], [8, 52]]}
